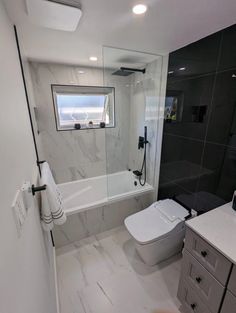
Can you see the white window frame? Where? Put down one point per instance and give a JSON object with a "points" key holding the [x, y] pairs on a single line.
{"points": [[86, 90]]}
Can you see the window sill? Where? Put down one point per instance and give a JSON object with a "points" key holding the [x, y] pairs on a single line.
{"points": [[84, 128]]}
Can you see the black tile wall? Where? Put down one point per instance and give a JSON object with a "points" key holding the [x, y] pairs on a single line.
{"points": [[196, 93], [228, 49], [198, 164], [199, 58], [222, 118]]}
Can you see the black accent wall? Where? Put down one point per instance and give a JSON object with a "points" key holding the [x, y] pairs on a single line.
{"points": [[198, 164]]}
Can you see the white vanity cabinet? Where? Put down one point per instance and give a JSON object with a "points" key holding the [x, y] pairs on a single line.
{"points": [[232, 281], [229, 304], [208, 276]]}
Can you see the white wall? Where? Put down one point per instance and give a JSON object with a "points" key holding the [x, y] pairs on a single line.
{"points": [[25, 263]]}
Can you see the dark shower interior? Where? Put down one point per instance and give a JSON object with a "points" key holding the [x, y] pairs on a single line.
{"points": [[198, 165]]}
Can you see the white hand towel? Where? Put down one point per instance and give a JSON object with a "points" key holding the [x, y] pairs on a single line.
{"points": [[52, 211]]}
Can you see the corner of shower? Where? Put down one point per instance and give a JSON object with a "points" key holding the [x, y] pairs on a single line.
{"points": [[102, 160], [131, 145]]}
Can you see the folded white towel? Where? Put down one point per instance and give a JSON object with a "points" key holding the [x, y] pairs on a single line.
{"points": [[52, 211]]}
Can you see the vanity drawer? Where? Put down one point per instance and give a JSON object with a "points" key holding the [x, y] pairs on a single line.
{"points": [[208, 256], [203, 283], [232, 281], [190, 301], [229, 304]]}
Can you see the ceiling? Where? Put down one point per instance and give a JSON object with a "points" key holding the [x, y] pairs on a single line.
{"points": [[166, 26]]}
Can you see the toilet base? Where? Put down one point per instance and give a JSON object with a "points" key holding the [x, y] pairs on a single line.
{"points": [[160, 250]]}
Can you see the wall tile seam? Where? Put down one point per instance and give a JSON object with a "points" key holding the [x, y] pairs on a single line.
{"points": [[183, 188], [216, 72], [210, 109], [201, 141], [191, 77]]}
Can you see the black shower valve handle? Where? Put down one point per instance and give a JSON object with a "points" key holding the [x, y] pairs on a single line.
{"points": [[141, 142]]}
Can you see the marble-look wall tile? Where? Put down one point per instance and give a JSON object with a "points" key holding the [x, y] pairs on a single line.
{"points": [[95, 221], [144, 111], [117, 138], [73, 155]]}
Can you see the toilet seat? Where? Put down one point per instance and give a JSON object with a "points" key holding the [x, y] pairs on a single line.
{"points": [[160, 220]]}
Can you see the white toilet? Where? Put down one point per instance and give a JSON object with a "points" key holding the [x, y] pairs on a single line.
{"points": [[158, 231]]}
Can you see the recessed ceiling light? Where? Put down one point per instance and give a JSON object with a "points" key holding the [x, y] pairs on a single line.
{"points": [[182, 68], [93, 58], [81, 72], [139, 9], [170, 72], [234, 76]]}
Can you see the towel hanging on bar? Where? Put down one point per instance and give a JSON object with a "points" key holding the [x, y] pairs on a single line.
{"points": [[52, 211]]}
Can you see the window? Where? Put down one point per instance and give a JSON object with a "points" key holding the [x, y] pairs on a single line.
{"points": [[83, 107]]}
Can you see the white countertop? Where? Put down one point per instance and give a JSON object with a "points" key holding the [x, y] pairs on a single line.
{"points": [[218, 227]]}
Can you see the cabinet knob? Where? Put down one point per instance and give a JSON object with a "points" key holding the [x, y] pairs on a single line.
{"points": [[204, 253], [198, 279], [193, 306]]}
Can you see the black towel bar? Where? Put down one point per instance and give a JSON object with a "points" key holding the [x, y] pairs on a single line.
{"points": [[37, 189], [41, 162]]}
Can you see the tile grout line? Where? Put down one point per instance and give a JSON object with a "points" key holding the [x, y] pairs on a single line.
{"points": [[210, 111], [200, 140]]}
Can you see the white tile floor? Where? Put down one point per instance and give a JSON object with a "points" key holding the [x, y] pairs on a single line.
{"points": [[103, 274]]}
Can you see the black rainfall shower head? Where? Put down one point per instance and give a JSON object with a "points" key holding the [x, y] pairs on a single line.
{"points": [[126, 71], [122, 73]]}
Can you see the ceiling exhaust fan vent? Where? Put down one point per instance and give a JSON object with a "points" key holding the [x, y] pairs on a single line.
{"points": [[59, 14], [70, 3]]}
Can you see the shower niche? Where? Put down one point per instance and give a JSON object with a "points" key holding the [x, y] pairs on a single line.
{"points": [[89, 123]]}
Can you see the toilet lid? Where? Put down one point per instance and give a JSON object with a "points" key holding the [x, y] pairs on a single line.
{"points": [[152, 224], [172, 210]]}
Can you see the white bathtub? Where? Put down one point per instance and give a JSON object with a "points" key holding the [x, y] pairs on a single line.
{"points": [[85, 194]]}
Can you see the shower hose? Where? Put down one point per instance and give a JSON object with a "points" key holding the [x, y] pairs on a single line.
{"points": [[143, 169]]}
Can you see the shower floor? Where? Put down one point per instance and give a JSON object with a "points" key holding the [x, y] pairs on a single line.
{"points": [[103, 274]]}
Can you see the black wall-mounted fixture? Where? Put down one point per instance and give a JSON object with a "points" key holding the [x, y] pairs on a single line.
{"points": [[40, 162], [77, 126], [137, 173], [126, 71], [130, 69], [37, 189], [142, 143]]}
